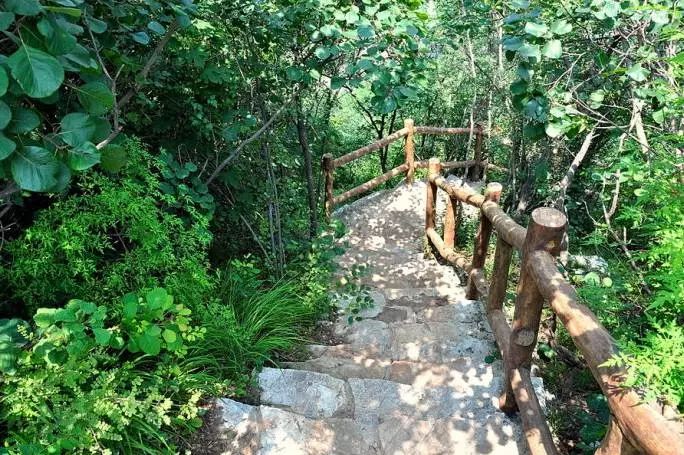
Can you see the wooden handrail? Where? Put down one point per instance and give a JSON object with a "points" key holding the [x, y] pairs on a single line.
{"points": [[377, 145], [635, 426], [369, 185], [474, 167]]}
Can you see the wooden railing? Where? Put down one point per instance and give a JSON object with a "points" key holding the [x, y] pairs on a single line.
{"points": [[635, 427], [474, 167]]}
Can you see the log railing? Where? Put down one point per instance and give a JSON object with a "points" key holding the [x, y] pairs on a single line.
{"points": [[474, 167], [635, 427]]}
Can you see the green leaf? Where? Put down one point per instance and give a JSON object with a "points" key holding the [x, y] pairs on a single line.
{"points": [[24, 7], [169, 336], [294, 73], [365, 32], [6, 19], [73, 12], [4, 81], [141, 37], [512, 43], [592, 279], [561, 27], [86, 307], [156, 27], [39, 74], [156, 298], [23, 121], [96, 98], [638, 73], [5, 115], [553, 130], [34, 169], [96, 26], [44, 317], [658, 116], [149, 343], [7, 146], [530, 51], [535, 29], [130, 305], [77, 128], [102, 336], [322, 52], [611, 8], [553, 49], [519, 87], [83, 157]]}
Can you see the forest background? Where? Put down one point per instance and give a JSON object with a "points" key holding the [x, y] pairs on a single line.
{"points": [[161, 229]]}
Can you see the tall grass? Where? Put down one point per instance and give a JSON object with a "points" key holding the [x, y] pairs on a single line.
{"points": [[246, 326]]}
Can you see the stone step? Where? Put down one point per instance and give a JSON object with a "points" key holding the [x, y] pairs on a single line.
{"points": [[265, 430], [457, 374], [431, 341], [308, 393]]}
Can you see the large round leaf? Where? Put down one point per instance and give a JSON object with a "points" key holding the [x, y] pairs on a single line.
{"points": [[39, 74], [23, 121], [6, 147], [83, 157], [96, 98], [77, 128], [24, 7], [4, 81], [34, 169], [5, 115]]}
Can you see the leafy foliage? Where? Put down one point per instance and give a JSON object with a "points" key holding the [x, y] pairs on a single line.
{"points": [[84, 363], [111, 239]]}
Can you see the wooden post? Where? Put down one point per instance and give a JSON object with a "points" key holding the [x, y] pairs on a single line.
{"points": [[484, 232], [434, 169], [328, 170], [409, 151], [545, 232], [450, 221], [502, 264], [615, 442], [475, 172]]}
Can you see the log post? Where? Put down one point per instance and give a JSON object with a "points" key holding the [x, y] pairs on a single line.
{"points": [[434, 169], [409, 150], [328, 170], [484, 232], [450, 221], [502, 264], [615, 442], [545, 232], [475, 172]]}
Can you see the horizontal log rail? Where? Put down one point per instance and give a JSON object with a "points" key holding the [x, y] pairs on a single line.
{"points": [[474, 167], [369, 185], [636, 427]]}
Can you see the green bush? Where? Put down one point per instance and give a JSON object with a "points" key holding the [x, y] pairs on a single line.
{"points": [[103, 379], [113, 237]]}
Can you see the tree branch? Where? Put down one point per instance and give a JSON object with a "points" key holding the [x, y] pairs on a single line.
{"points": [[249, 140]]}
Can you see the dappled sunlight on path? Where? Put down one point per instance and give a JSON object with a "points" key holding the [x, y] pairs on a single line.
{"points": [[419, 374]]}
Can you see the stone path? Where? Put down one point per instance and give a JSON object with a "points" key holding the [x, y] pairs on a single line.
{"points": [[410, 378]]}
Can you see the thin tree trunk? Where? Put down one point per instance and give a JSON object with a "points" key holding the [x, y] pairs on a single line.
{"points": [[308, 172]]}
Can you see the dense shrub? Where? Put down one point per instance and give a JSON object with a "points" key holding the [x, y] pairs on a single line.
{"points": [[113, 237], [95, 379]]}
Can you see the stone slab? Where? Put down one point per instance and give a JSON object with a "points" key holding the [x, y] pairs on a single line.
{"points": [[308, 393]]}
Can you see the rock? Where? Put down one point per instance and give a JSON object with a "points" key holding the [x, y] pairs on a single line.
{"points": [[292, 434], [239, 426], [305, 392], [588, 263]]}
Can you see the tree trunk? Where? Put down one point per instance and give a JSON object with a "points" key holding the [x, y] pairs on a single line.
{"points": [[308, 171]]}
